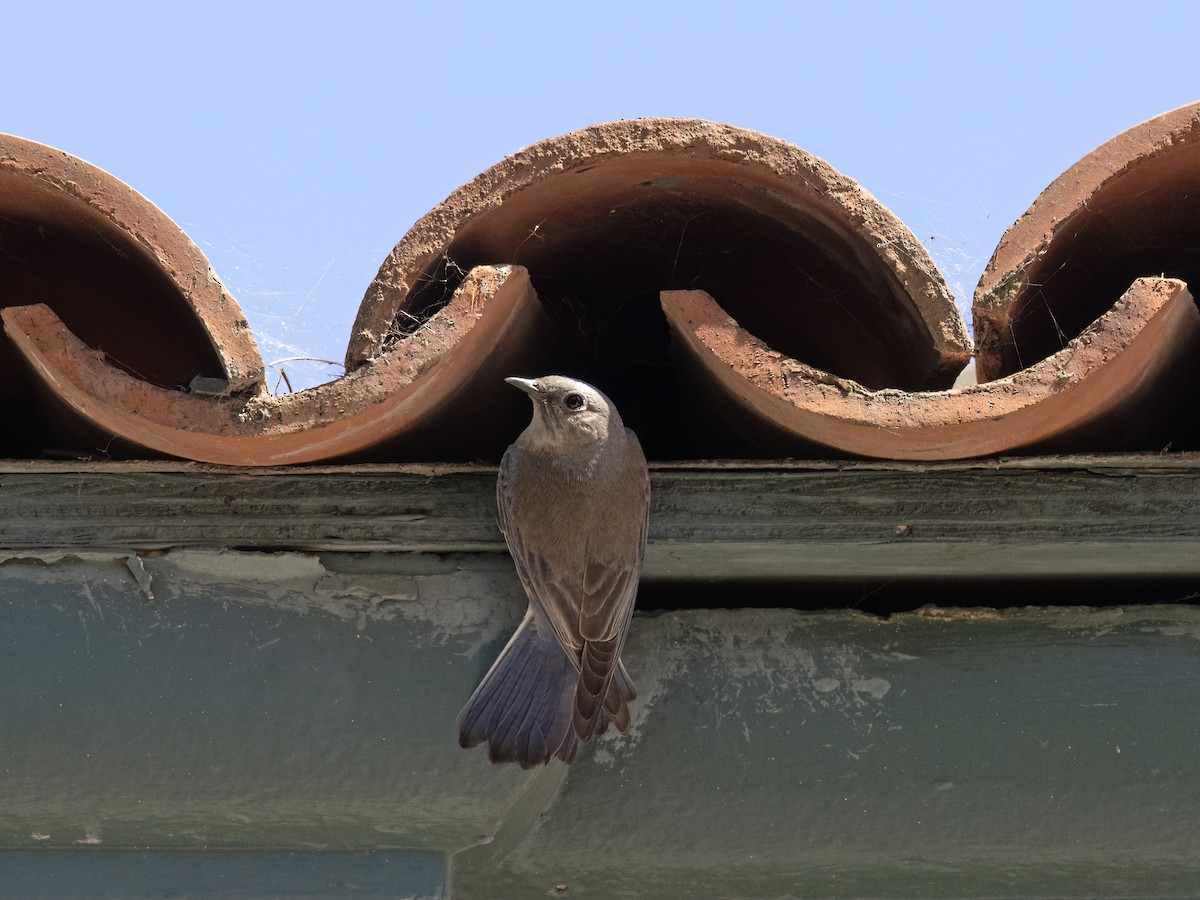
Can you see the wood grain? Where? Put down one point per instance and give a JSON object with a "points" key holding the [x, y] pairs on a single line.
{"points": [[1119, 516]]}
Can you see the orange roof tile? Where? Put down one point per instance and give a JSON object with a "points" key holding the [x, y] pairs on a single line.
{"points": [[801, 317]]}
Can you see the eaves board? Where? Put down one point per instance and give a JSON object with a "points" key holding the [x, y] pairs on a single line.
{"points": [[1050, 517]]}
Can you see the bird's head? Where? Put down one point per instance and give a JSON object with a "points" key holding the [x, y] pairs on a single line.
{"points": [[567, 414]]}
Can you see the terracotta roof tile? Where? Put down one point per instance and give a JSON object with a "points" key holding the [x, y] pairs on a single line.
{"points": [[801, 317]]}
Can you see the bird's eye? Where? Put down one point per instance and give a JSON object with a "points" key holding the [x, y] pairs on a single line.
{"points": [[574, 401]]}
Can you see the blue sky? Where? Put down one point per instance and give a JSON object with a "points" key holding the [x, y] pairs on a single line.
{"points": [[297, 142]]}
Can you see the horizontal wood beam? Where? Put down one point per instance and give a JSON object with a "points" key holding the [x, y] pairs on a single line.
{"points": [[307, 702], [1105, 516]]}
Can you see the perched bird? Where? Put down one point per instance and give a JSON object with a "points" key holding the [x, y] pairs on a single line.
{"points": [[574, 499]]}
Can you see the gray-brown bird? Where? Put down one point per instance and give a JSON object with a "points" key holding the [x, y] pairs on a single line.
{"points": [[574, 500]]}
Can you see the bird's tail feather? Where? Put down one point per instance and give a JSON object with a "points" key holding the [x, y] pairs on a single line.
{"points": [[603, 692], [522, 708], [616, 701]]}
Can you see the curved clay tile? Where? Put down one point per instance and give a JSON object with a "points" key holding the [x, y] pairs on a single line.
{"points": [[607, 217], [1127, 209], [1104, 390], [117, 272], [834, 326], [437, 393], [603, 219]]}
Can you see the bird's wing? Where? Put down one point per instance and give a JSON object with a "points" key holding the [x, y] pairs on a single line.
{"points": [[610, 583], [615, 555], [549, 590], [611, 574]]}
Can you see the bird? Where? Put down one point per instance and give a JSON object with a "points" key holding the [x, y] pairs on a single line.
{"points": [[573, 500]]}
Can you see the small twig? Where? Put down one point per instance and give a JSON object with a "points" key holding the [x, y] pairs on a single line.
{"points": [[316, 359], [283, 375]]}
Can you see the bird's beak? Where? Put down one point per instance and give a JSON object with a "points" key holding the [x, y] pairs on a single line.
{"points": [[528, 385]]}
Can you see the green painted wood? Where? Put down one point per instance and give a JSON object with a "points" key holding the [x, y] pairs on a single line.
{"points": [[1035, 518], [198, 662], [162, 873], [296, 701]]}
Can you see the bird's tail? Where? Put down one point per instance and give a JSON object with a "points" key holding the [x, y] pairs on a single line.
{"points": [[522, 708], [603, 692]]}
